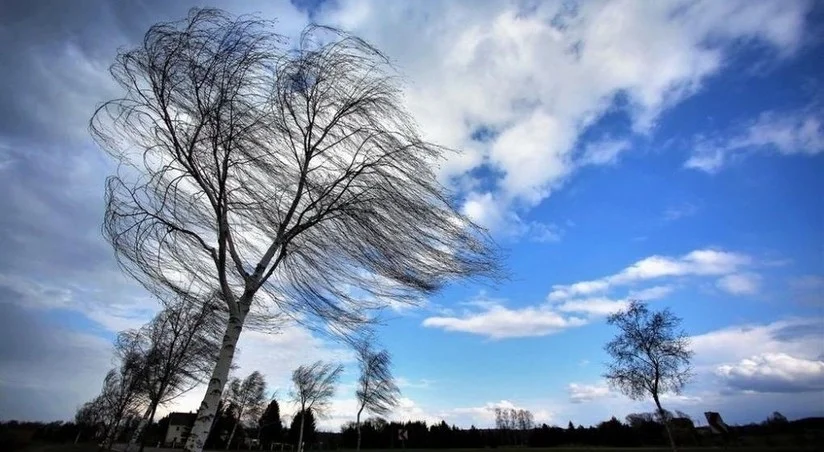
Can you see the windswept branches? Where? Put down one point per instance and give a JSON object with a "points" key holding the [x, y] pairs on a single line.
{"points": [[650, 355], [293, 182], [314, 388], [377, 392], [314, 385]]}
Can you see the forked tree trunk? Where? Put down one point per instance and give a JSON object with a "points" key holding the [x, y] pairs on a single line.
{"points": [[663, 415], [208, 408]]}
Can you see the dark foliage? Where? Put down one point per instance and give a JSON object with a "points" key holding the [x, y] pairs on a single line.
{"points": [[309, 428], [271, 428]]}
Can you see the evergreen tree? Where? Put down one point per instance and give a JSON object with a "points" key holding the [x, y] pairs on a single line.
{"points": [[309, 434], [271, 427]]}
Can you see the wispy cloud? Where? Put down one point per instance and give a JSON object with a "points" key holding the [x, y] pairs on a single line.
{"points": [[786, 133], [703, 262]]}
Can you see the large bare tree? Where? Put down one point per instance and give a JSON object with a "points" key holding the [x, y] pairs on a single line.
{"points": [[179, 348], [376, 392], [289, 178], [247, 396], [314, 386], [650, 356]]}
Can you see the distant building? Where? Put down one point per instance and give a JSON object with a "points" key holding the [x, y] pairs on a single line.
{"points": [[180, 424]]}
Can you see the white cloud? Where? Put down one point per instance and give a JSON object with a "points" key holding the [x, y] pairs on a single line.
{"points": [[539, 77], [774, 372], [498, 322], [579, 392], [793, 133], [704, 262], [797, 337], [423, 383], [604, 152], [593, 306], [740, 283], [651, 293]]}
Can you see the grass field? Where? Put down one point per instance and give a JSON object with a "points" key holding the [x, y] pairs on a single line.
{"points": [[93, 448]]}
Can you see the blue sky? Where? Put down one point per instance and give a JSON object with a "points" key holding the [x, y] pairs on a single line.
{"points": [[669, 151]]}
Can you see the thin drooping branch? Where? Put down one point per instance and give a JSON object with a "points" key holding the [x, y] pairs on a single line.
{"points": [[292, 181]]}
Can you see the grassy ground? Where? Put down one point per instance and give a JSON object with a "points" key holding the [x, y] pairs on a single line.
{"points": [[93, 448]]}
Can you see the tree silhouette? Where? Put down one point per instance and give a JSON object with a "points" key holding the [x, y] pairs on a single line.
{"points": [[247, 396], [376, 392], [650, 357], [288, 178], [270, 425], [314, 387], [302, 429]]}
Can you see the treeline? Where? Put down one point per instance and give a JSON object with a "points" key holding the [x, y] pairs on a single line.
{"points": [[638, 430]]}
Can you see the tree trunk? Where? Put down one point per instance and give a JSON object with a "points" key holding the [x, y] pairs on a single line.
{"points": [[206, 412], [666, 423], [234, 427], [151, 420], [133, 443], [300, 434], [357, 423]]}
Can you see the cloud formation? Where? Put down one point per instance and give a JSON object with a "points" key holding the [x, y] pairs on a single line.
{"points": [[774, 372], [785, 133], [537, 77], [703, 262]]}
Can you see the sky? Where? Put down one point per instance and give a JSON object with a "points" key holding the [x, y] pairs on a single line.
{"points": [[667, 151]]}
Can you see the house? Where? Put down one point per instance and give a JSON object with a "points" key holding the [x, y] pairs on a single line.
{"points": [[180, 424]]}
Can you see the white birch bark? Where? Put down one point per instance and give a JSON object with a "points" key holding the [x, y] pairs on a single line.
{"points": [[208, 408], [134, 443]]}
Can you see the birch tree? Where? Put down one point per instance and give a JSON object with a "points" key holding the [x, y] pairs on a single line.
{"points": [[650, 356], [289, 178], [179, 347], [377, 392], [248, 396], [314, 386], [122, 393]]}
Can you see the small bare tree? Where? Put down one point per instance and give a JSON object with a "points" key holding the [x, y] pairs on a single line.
{"points": [[289, 178], [123, 392], [650, 357], [179, 348], [90, 418], [377, 392], [314, 388], [248, 397]]}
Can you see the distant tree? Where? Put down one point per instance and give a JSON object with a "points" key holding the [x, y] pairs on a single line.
{"points": [[285, 176], [270, 424], [123, 392], [225, 420], [376, 392], [178, 350], [90, 419], [247, 396], [525, 423], [303, 429], [650, 357], [777, 419], [314, 386]]}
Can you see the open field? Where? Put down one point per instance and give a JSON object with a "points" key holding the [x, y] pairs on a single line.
{"points": [[92, 448]]}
